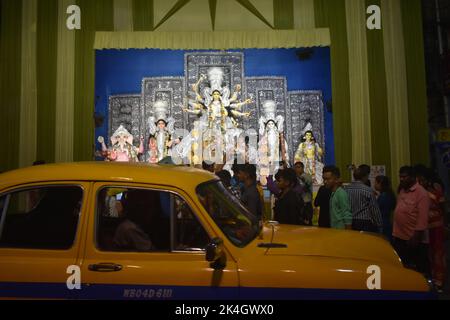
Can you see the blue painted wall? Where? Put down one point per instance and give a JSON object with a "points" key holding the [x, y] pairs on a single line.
{"points": [[121, 72]]}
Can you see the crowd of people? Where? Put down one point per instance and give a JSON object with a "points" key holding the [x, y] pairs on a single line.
{"points": [[410, 218]]}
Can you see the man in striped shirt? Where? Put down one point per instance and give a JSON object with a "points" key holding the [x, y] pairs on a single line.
{"points": [[365, 211]]}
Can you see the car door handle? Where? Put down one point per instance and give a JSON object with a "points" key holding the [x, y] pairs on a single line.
{"points": [[105, 267]]}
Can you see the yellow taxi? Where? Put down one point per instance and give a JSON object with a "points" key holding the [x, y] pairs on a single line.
{"points": [[137, 231]]}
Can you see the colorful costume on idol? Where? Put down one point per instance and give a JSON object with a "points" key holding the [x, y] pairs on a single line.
{"points": [[272, 147], [122, 149], [161, 130], [310, 153]]}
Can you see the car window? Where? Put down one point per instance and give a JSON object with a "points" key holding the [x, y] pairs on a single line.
{"points": [[235, 221], [145, 220], [2, 203], [41, 218], [189, 234], [2, 207]]}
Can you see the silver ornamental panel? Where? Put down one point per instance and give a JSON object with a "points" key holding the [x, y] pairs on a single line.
{"points": [[307, 107], [125, 109], [170, 89], [260, 89], [197, 63], [297, 107]]}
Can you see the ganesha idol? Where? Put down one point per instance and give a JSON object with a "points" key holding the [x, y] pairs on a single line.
{"points": [[122, 149]]}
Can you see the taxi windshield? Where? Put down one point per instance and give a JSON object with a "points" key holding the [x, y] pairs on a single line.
{"points": [[236, 222]]}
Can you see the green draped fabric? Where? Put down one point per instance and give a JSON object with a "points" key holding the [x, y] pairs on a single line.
{"points": [[250, 7], [96, 16], [415, 74], [47, 35], [331, 13], [359, 82], [123, 15], [65, 82], [180, 4], [212, 12], [304, 17], [394, 53], [10, 81], [143, 15], [381, 153], [283, 14], [28, 103]]}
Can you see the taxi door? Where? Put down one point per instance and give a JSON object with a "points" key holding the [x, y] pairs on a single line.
{"points": [[40, 228], [168, 261]]}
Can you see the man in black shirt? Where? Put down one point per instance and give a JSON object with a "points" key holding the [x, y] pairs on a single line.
{"points": [[323, 202], [289, 205], [250, 196]]}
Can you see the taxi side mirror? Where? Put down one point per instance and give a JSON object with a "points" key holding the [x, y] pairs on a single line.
{"points": [[215, 254]]}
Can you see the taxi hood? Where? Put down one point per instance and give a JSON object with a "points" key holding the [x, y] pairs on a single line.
{"points": [[310, 241]]}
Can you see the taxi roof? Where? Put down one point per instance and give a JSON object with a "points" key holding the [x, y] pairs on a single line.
{"points": [[179, 176]]}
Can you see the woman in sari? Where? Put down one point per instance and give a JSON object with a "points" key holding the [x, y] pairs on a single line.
{"points": [[436, 229]]}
